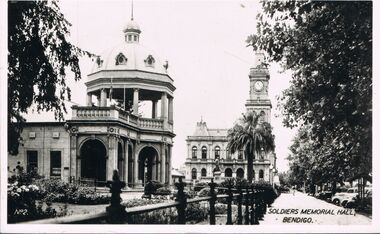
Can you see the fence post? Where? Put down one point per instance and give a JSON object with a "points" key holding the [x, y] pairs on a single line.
{"points": [[181, 197], [252, 205], [229, 205], [212, 202], [240, 197], [246, 218], [116, 212]]}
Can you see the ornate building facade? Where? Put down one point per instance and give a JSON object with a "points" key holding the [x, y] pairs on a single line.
{"points": [[112, 131], [208, 146]]}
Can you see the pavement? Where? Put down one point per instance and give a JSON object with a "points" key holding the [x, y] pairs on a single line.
{"points": [[299, 208]]}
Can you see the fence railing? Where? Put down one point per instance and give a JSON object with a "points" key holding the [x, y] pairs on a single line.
{"points": [[249, 197]]}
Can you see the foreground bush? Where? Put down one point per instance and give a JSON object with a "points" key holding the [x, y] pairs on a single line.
{"points": [[194, 212], [22, 204], [56, 190]]}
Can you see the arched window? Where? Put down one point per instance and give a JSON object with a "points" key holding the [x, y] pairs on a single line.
{"points": [[240, 173], [194, 174], [228, 153], [194, 152], [228, 172], [217, 152], [204, 172], [120, 59], [261, 175], [204, 152], [149, 61], [240, 154]]}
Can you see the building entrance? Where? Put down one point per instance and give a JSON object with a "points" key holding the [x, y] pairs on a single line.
{"points": [[147, 164], [93, 160]]}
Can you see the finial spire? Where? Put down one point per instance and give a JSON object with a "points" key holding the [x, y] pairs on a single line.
{"points": [[132, 11]]}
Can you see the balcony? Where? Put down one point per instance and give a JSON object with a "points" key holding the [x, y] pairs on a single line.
{"points": [[115, 113]]}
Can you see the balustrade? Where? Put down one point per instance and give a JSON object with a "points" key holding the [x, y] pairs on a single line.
{"points": [[104, 113]]}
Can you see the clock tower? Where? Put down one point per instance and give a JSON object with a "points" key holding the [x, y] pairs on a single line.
{"points": [[259, 101]]}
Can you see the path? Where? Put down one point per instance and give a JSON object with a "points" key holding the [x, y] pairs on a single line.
{"points": [[288, 207]]}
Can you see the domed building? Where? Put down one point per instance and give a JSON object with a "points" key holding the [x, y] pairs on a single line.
{"points": [[127, 124]]}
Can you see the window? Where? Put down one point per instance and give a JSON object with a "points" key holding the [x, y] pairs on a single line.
{"points": [[194, 152], [240, 173], [135, 37], [149, 61], [240, 155], [217, 152], [129, 37], [204, 152], [55, 163], [261, 175], [194, 174], [228, 172], [32, 160], [228, 153], [204, 172], [120, 59]]}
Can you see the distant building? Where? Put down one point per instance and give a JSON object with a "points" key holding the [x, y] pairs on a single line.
{"points": [[110, 132], [206, 146]]}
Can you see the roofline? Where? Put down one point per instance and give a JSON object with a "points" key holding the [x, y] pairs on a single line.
{"points": [[44, 123], [114, 70]]}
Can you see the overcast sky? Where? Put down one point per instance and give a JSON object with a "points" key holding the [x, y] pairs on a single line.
{"points": [[204, 42]]}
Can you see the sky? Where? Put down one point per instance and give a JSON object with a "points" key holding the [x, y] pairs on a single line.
{"points": [[204, 42]]}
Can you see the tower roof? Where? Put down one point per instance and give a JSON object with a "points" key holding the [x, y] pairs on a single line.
{"points": [[132, 26]]}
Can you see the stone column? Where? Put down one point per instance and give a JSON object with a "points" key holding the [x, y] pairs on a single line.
{"points": [[170, 164], [73, 155], [103, 97], [154, 109], [164, 110], [112, 156], [135, 167], [163, 163], [170, 107], [89, 99], [135, 101], [126, 161]]}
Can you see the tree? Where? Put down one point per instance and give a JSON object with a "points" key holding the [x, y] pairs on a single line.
{"points": [[252, 137], [328, 47], [39, 55]]}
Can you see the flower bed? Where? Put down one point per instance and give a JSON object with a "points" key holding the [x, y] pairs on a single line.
{"points": [[56, 190], [22, 205], [194, 212]]}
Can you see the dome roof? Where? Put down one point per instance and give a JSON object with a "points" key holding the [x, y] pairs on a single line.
{"points": [[130, 56], [132, 26]]}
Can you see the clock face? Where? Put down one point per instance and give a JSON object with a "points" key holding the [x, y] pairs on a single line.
{"points": [[259, 85]]}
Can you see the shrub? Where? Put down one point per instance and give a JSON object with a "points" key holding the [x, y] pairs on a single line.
{"points": [[22, 204], [152, 186], [56, 190], [199, 186], [194, 212], [163, 191]]}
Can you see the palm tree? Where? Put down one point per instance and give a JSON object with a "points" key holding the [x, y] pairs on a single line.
{"points": [[253, 137]]}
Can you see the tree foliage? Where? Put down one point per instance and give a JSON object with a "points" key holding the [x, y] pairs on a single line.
{"points": [[39, 54], [328, 47], [251, 136]]}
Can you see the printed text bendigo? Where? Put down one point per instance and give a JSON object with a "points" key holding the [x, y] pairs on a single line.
{"points": [[306, 212]]}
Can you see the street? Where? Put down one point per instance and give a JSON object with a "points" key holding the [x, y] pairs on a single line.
{"points": [[303, 209]]}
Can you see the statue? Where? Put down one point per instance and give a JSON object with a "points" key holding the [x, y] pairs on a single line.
{"points": [[217, 168], [115, 188]]}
